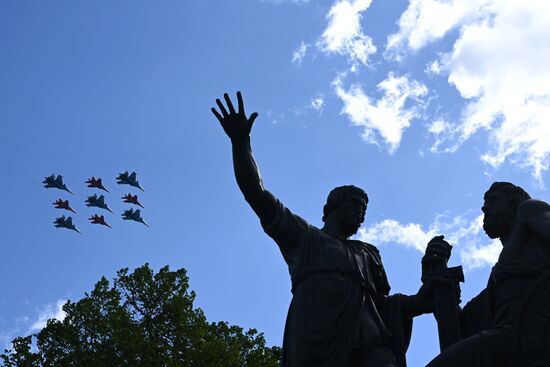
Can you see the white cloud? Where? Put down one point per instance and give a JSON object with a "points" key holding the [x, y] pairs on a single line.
{"points": [[442, 130], [410, 235], [425, 21], [51, 311], [299, 54], [465, 235], [6, 337], [389, 115], [481, 256], [21, 325], [502, 67], [499, 64], [317, 103], [433, 68], [343, 34]]}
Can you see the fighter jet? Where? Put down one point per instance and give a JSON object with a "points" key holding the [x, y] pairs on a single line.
{"points": [[55, 182], [96, 183], [98, 219], [97, 201], [133, 215], [63, 222], [128, 179], [132, 199], [60, 204]]}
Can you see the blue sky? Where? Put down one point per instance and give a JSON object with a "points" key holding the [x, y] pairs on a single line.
{"points": [[423, 103]]}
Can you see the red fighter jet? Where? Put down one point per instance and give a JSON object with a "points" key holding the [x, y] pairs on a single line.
{"points": [[97, 219], [60, 204], [96, 183], [131, 199]]}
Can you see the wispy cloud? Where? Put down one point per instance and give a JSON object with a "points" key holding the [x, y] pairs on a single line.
{"points": [[433, 68], [409, 235], [344, 35], [502, 67], [481, 256], [50, 311], [20, 324], [317, 103], [499, 65], [300, 53], [389, 115], [425, 21], [466, 235]]}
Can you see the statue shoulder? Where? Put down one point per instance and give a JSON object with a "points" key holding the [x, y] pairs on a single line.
{"points": [[532, 209], [369, 247]]}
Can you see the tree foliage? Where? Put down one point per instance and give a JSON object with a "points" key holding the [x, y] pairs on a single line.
{"points": [[144, 319]]}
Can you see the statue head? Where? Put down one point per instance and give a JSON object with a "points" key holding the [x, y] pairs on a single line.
{"points": [[500, 206], [345, 209]]}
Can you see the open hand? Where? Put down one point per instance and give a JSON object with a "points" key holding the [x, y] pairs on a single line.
{"points": [[235, 124]]}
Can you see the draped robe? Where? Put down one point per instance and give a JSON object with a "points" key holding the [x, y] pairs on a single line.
{"points": [[490, 320], [340, 296]]}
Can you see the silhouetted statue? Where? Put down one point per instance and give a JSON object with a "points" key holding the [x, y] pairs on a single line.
{"points": [[508, 323], [341, 314]]}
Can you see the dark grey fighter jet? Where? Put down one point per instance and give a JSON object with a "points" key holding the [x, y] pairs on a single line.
{"points": [[133, 215], [128, 179], [97, 201], [63, 222], [56, 183]]}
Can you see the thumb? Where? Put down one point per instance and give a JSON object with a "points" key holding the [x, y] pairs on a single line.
{"points": [[252, 118]]}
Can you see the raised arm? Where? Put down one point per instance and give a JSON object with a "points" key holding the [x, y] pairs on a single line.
{"points": [[237, 127]]}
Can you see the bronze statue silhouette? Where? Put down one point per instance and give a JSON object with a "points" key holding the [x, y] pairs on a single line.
{"points": [[508, 323], [341, 312]]}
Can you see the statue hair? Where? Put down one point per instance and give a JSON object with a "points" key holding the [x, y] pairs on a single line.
{"points": [[339, 195], [516, 194]]}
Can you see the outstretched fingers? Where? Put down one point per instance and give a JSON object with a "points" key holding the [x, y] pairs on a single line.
{"points": [[240, 103], [229, 103], [217, 114], [228, 119], [221, 107]]}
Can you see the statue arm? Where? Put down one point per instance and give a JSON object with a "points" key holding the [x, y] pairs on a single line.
{"points": [[237, 127], [250, 182]]}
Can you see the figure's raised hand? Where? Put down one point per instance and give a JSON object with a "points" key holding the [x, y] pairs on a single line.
{"points": [[235, 123]]}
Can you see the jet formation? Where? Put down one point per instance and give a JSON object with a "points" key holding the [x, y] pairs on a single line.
{"points": [[55, 183], [124, 178], [63, 222], [128, 179]]}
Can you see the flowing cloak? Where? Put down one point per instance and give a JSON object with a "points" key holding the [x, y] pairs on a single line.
{"points": [[340, 296]]}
